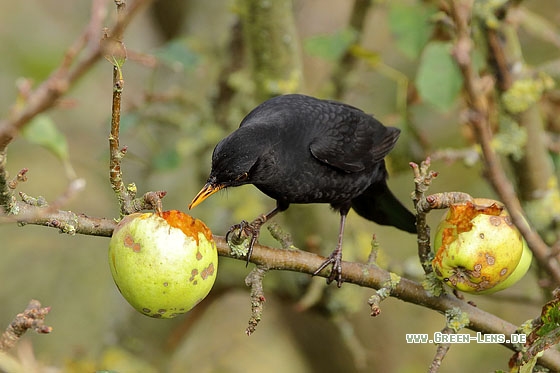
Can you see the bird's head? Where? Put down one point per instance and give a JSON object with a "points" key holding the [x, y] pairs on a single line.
{"points": [[232, 162]]}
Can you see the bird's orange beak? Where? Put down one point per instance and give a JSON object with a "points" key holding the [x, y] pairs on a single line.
{"points": [[206, 191]]}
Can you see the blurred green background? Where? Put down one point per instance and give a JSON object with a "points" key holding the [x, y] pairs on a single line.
{"points": [[170, 128]]}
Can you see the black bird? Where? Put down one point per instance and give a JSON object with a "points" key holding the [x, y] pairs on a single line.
{"points": [[300, 149]]}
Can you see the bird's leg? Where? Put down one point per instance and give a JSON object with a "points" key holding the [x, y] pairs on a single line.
{"points": [[251, 229], [336, 256]]}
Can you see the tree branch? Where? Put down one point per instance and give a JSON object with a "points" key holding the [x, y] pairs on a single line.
{"points": [[37, 212], [46, 95], [66, 221], [295, 260]]}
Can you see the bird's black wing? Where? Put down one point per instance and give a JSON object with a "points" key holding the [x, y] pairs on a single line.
{"points": [[351, 140]]}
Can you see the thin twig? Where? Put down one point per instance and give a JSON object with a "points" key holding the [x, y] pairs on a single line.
{"points": [[254, 280], [423, 177], [372, 257], [21, 177], [6, 194], [284, 238], [32, 318], [124, 194], [116, 53], [441, 351], [442, 201], [383, 293]]}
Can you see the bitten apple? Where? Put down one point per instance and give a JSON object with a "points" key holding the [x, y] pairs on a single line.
{"points": [[478, 248], [163, 265]]}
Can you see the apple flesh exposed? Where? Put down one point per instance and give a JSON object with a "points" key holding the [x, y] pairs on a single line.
{"points": [[478, 248]]}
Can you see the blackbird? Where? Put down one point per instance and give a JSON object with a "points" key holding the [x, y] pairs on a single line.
{"points": [[300, 149]]}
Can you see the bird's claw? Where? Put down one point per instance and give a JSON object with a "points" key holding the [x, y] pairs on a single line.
{"points": [[336, 272], [245, 230], [240, 228]]}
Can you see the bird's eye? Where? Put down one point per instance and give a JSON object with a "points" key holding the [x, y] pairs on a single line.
{"points": [[242, 177]]}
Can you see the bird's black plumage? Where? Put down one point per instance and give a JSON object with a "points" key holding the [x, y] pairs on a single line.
{"points": [[300, 149]]}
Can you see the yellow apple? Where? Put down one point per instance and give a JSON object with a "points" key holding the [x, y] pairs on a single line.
{"points": [[478, 248]]}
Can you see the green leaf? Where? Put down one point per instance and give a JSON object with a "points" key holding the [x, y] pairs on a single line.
{"points": [[411, 25], [550, 317], [178, 55], [42, 131], [330, 47], [438, 79], [114, 51]]}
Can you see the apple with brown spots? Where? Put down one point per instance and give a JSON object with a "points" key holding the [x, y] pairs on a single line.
{"points": [[478, 248], [163, 265]]}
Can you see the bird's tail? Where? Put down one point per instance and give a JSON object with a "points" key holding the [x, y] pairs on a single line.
{"points": [[379, 205]]}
